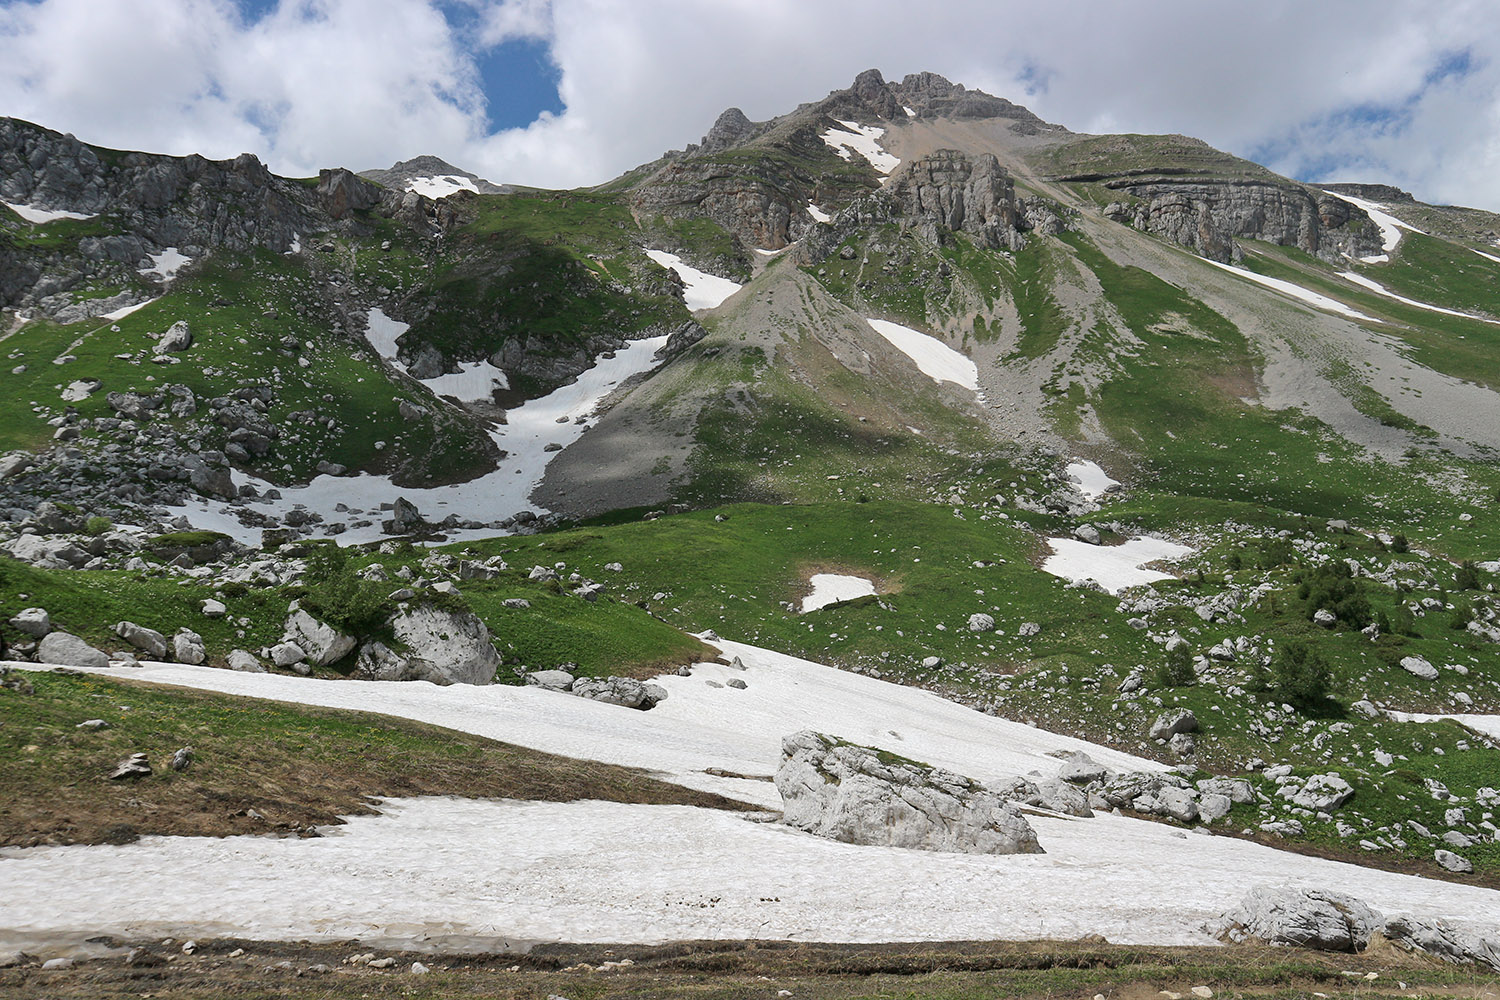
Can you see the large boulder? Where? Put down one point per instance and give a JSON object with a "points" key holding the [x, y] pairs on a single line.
{"points": [[34, 622], [860, 795], [322, 643], [187, 647], [177, 338], [1306, 918], [1320, 793], [1172, 722], [69, 651], [441, 645], [147, 640]]}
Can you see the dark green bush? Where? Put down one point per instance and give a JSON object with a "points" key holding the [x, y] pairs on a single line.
{"points": [[1300, 676], [1176, 668]]}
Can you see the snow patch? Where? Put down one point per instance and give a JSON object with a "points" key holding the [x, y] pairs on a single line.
{"points": [[934, 358], [701, 290], [1093, 482], [1380, 289], [78, 391], [123, 311], [1489, 725], [1307, 295], [37, 215], [1390, 226], [1487, 256], [166, 264], [830, 588], [909, 112], [1113, 567], [818, 214], [861, 139], [475, 382], [440, 186]]}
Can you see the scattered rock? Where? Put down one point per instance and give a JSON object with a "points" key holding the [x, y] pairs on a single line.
{"points": [[320, 643], [182, 759], [1453, 862], [1418, 667], [177, 338], [187, 647], [981, 623], [137, 765], [552, 680], [147, 640], [245, 661], [1304, 918]]}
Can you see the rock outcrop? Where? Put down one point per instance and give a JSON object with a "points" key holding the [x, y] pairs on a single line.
{"points": [[1333, 921], [1207, 215], [956, 192], [432, 644], [860, 795]]}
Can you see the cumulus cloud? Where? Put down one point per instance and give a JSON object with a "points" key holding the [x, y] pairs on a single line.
{"points": [[1402, 91]]}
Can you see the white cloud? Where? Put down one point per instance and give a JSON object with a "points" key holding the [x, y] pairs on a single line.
{"points": [[366, 82]]}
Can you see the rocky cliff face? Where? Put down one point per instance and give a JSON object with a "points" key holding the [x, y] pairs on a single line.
{"points": [[154, 202], [953, 191], [1208, 214]]}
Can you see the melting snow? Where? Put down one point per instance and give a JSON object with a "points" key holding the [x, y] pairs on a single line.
{"points": [[936, 359], [1093, 482], [1113, 567], [476, 382], [1487, 256], [909, 112], [829, 588], [166, 264], [861, 139], [1390, 226], [124, 311], [818, 214], [441, 186], [40, 215], [701, 290], [1380, 289], [1295, 291], [1489, 725], [559, 418], [573, 871]]}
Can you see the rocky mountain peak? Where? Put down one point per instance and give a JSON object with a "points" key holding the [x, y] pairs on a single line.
{"points": [[400, 175], [731, 128]]}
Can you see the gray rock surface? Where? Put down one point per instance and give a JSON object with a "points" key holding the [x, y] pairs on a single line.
{"points": [[245, 661], [552, 680], [69, 650], [320, 642], [1306, 918], [187, 647], [34, 622], [444, 647], [1172, 722], [147, 640], [623, 691], [859, 795]]}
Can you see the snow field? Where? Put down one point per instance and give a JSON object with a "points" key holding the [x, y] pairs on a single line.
{"points": [[600, 871], [1307, 295], [932, 357], [510, 871], [818, 214], [830, 588], [701, 290], [861, 139], [1113, 567]]}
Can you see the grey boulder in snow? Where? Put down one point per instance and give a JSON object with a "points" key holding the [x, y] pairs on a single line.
{"points": [[858, 795], [432, 644]]}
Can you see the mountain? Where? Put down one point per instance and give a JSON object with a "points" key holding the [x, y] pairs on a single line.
{"points": [[1137, 448], [432, 177]]}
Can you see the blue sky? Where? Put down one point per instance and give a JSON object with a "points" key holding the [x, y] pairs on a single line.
{"points": [[561, 93]]}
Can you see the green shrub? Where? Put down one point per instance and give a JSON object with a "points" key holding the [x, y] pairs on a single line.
{"points": [[98, 525], [336, 595], [1399, 543], [1332, 587], [1176, 668], [1300, 677], [1467, 577]]}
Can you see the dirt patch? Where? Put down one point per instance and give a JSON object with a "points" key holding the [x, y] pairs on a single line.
{"points": [[1239, 383], [258, 766], [741, 969]]}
